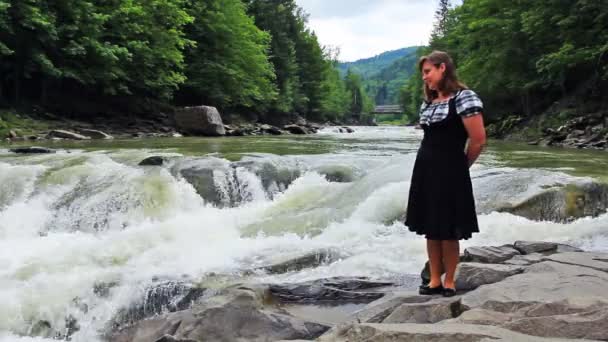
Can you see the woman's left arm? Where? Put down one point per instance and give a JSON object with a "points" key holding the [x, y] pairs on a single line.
{"points": [[477, 136]]}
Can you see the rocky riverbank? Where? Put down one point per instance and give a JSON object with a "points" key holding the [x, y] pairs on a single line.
{"points": [[188, 121], [527, 291], [549, 129]]}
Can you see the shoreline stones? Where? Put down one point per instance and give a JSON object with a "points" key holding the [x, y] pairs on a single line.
{"points": [[560, 293]]}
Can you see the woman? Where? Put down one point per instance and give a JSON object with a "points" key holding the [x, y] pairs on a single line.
{"points": [[441, 204]]}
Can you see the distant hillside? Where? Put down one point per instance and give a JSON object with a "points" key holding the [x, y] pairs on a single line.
{"points": [[385, 74], [369, 66]]}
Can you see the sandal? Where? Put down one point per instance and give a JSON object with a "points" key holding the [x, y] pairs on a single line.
{"points": [[427, 290]]}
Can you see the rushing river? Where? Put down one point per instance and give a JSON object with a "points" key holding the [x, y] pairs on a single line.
{"points": [[89, 215]]}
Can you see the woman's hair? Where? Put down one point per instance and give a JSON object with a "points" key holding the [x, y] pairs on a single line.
{"points": [[449, 83]]}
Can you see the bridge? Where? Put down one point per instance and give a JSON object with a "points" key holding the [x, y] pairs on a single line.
{"points": [[387, 109]]}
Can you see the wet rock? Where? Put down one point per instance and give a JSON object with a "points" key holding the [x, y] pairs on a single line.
{"points": [[169, 296], [564, 204], [32, 150], [470, 275], [295, 129], [42, 329], [153, 161], [348, 129], [238, 314], [63, 134], [95, 134], [309, 260], [337, 173], [489, 254], [529, 247], [271, 129], [200, 120], [102, 289], [339, 290], [275, 178], [12, 134]]}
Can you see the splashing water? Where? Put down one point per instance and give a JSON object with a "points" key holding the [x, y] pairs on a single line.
{"points": [[71, 222]]}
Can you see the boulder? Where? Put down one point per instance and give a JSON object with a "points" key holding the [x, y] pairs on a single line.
{"points": [[153, 161], [63, 134], [237, 314], [296, 129], [95, 134], [564, 204], [200, 120]]}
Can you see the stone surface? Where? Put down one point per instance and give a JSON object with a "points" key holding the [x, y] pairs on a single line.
{"points": [[199, 120], [339, 290], [412, 332], [432, 311], [490, 254], [564, 204], [296, 129], [308, 260], [470, 275], [529, 247], [236, 315]]}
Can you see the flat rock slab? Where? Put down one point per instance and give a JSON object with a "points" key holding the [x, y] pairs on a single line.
{"points": [[525, 260], [596, 261], [490, 255], [471, 275], [433, 311], [378, 310], [412, 332], [529, 247]]}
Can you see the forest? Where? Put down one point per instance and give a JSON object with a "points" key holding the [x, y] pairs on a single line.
{"points": [[91, 57], [524, 56]]}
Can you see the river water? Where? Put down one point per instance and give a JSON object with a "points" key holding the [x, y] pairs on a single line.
{"points": [[89, 215]]}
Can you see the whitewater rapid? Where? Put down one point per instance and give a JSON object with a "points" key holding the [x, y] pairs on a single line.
{"points": [[76, 219]]}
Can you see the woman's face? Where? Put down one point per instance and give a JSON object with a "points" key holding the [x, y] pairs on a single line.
{"points": [[431, 74]]}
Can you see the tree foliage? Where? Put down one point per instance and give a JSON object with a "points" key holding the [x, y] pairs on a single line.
{"points": [[523, 55], [243, 55]]}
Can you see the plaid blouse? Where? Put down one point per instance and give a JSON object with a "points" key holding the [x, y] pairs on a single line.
{"points": [[467, 104]]}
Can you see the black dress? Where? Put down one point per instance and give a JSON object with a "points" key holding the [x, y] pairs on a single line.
{"points": [[441, 204]]}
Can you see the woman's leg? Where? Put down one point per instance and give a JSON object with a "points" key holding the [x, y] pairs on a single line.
{"points": [[450, 250], [434, 250]]}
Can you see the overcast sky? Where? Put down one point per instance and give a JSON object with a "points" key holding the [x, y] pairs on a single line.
{"points": [[364, 28]]}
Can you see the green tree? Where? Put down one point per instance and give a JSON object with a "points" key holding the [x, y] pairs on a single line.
{"points": [[228, 66]]}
